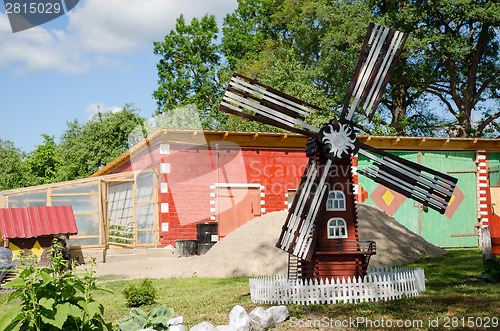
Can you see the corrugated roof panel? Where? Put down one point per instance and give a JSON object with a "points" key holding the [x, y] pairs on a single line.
{"points": [[31, 222]]}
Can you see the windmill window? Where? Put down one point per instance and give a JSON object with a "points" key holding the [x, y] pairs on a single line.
{"points": [[336, 228], [336, 201]]}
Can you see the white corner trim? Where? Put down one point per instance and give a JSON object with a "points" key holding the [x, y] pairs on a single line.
{"points": [[164, 148], [237, 185], [165, 168]]}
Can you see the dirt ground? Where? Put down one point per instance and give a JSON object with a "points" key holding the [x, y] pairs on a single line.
{"points": [[250, 250]]}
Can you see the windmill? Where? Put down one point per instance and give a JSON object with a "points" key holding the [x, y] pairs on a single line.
{"points": [[321, 231]]}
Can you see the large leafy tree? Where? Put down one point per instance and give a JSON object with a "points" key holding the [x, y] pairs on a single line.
{"points": [[88, 147], [454, 55], [309, 49], [44, 162], [248, 29], [189, 69], [13, 171]]}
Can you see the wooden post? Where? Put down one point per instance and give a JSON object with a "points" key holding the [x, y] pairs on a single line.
{"points": [[134, 208], [486, 241], [3, 201], [49, 196], [155, 207], [100, 209]]}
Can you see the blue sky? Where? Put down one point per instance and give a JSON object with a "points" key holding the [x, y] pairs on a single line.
{"points": [[99, 54]]}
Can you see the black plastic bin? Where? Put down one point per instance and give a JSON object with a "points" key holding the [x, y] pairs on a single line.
{"points": [[185, 248], [206, 233]]}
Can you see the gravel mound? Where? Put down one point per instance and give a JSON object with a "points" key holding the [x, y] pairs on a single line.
{"points": [[250, 250]]}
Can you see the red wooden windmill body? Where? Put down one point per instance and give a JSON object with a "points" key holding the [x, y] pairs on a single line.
{"points": [[338, 251], [321, 229]]}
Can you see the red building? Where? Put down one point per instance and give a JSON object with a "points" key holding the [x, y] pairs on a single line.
{"points": [[224, 177]]}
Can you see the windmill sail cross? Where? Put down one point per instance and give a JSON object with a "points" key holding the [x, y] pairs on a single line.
{"points": [[335, 143]]}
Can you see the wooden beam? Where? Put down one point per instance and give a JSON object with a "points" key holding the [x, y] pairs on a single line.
{"points": [[395, 141], [68, 195]]}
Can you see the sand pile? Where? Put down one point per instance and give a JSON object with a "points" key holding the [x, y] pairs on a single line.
{"points": [[250, 250], [396, 245]]}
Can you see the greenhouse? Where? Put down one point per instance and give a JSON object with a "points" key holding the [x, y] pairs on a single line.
{"points": [[118, 209]]}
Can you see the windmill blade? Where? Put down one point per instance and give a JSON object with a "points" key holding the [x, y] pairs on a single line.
{"points": [[373, 70], [408, 178], [266, 105], [298, 233]]}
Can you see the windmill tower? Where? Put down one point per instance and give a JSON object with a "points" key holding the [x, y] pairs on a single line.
{"points": [[321, 229]]}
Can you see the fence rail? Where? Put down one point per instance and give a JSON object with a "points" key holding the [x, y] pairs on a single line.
{"points": [[379, 284]]}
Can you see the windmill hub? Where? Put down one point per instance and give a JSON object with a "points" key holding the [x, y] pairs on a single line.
{"points": [[339, 140]]}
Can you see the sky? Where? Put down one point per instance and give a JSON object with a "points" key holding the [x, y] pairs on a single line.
{"points": [[97, 56]]}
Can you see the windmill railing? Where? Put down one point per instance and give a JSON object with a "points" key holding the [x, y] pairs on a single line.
{"points": [[347, 247]]}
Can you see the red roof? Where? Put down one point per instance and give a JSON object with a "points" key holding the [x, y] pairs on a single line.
{"points": [[31, 222]]}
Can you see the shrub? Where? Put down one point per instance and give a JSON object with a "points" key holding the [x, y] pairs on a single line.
{"points": [[54, 298], [491, 270], [144, 294], [156, 319]]}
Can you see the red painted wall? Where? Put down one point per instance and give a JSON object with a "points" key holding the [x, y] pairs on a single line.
{"points": [[190, 174]]}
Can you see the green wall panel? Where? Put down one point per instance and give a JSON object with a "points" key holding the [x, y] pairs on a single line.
{"points": [[494, 165], [434, 227]]}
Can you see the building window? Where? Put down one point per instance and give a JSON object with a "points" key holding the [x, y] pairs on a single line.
{"points": [[336, 201], [336, 228]]}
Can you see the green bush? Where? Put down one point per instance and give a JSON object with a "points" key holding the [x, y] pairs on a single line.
{"points": [[144, 294], [54, 298], [156, 319], [491, 270]]}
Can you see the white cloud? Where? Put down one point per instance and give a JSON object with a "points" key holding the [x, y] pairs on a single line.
{"points": [[94, 108], [38, 49], [99, 32]]}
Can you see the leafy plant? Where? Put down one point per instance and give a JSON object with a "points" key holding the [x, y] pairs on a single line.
{"points": [[491, 270], [156, 319], [145, 294], [54, 298]]}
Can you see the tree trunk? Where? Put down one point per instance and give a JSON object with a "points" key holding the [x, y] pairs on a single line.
{"points": [[398, 109], [464, 123]]}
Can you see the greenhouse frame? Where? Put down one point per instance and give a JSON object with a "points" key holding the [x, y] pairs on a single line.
{"points": [[118, 209]]}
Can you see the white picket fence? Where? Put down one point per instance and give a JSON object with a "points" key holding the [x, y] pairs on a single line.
{"points": [[379, 284]]}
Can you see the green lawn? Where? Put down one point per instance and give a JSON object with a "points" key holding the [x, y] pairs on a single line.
{"points": [[456, 296]]}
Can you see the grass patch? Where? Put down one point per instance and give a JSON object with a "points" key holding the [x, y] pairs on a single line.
{"points": [[455, 290]]}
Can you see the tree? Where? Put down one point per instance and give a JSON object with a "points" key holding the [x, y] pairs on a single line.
{"points": [[248, 29], [13, 172], [189, 69], [456, 42], [44, 162], [86, 148], [309, 49]]}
